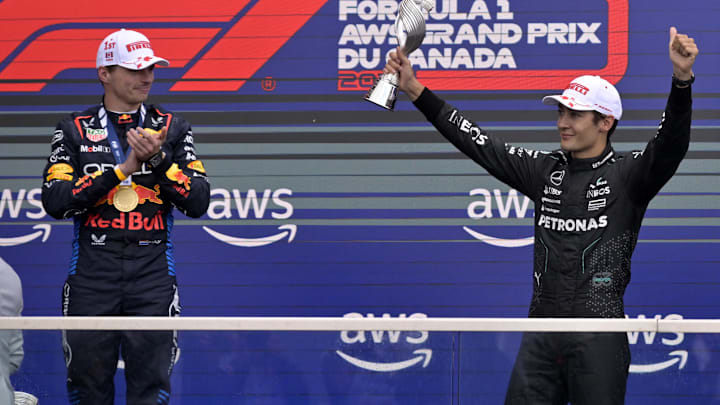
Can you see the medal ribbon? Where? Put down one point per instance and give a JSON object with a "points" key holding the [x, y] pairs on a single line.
{"points": [[118, 152]]}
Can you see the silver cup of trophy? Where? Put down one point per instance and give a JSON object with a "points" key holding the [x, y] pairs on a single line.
{"points": [[410, 31]]}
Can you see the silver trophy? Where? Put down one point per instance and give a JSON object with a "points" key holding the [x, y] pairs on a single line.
{"points": [[410, 31]]}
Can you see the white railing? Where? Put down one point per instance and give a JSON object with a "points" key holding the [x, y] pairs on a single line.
{"points": [[342, 324]]}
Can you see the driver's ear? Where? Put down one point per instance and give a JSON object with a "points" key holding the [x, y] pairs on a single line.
{"points": [[607, 122], [103, 74]]}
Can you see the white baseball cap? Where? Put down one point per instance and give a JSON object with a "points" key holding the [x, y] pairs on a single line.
{"points": [[589, 93], [129, 49]]}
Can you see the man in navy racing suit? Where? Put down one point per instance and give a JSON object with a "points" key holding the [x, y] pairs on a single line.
{"points": [[118, 169], [589, 205]]}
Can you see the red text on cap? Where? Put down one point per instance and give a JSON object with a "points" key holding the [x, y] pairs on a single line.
{"points": [[138, 45], [578, 87]]}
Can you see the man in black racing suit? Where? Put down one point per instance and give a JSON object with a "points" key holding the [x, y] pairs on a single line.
{"points": [[589, 205], [122, 260]]}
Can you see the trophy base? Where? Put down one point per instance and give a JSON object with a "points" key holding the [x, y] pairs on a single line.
{"points": [[383, 93]]}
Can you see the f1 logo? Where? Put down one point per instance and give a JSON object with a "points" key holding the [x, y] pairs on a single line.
{"points": [[219, 48]]}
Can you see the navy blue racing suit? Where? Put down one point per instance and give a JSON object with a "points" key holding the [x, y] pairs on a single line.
{"points": [[122, 262]]}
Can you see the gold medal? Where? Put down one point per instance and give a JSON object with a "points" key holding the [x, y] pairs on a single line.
{"points": [[125, 199]]}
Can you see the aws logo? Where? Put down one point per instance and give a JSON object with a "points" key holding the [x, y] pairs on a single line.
{"points": [[231, 204], [384, 347], [667, 345], [11, 206], [484, 208]]}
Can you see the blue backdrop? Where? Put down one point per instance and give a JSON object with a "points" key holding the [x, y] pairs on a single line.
{"points": [[349, 210]]}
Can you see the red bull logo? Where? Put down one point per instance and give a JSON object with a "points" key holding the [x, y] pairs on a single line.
{"points": [[133, 221], [84, 182], [82, 185], [148, 195], [87, 178], [175, 174], [144, 195], [109, 198], [125, 119]]}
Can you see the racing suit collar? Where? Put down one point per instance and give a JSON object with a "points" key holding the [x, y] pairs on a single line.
{"points": [[608, 155], [103, 115]]}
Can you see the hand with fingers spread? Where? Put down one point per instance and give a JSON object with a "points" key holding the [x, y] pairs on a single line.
{"points": [[399, 63], [683, 51]]}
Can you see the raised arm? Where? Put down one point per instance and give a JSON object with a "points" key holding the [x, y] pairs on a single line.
{"points": [[513, 166], [657, 163]]}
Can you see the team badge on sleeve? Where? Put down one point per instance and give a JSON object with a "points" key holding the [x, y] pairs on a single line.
{"points": [[60, 171], [175, 174], [197, 166]]}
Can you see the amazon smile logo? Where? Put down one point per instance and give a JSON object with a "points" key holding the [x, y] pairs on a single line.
{"points": [[42, 232], [231, 204], [487, 204], [25, 205], [367, 349], [423, 355], [675, 357], [285, 230], [678, 357]]}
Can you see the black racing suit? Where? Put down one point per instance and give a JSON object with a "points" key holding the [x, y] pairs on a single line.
{"points": [[122, 262], [588, 214]]}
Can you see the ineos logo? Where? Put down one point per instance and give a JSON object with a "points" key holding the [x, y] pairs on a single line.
{"points": [[556, 178]]}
